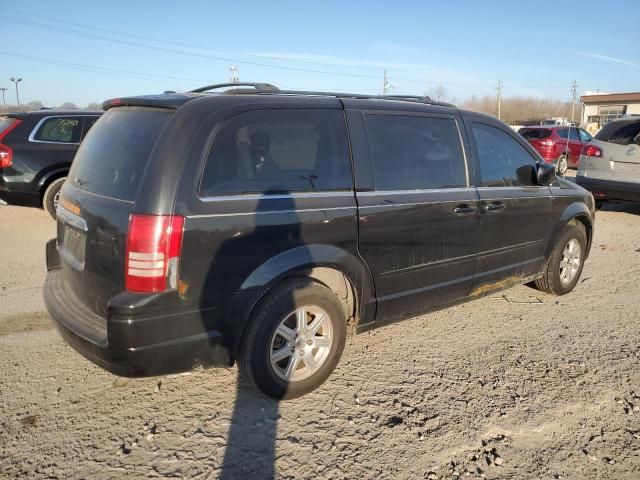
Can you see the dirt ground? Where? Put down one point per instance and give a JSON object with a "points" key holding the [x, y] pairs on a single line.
{"points": [[518, 385]]}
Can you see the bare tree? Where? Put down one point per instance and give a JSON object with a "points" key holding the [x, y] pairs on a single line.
{"points": [[438, 93], [68, 106], [94, 106]]}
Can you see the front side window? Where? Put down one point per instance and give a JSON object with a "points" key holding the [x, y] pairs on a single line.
{"points": [[415, 152], [503, 161], [563, 133], [279, 150], [60, 130]]}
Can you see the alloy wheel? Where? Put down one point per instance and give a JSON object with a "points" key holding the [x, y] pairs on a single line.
{"points": [[570, 263], [301, 343]]}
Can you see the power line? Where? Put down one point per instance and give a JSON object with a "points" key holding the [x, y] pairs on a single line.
{"points": [[226, 59], [108, 71], [225, 51], [139, 75], [180, 52], [187, 45]]}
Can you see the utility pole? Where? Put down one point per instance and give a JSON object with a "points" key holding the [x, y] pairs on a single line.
{"points": [[499, 90], [234, 74], [16, 80], [386, 86], [574, 94], [4, 103]]}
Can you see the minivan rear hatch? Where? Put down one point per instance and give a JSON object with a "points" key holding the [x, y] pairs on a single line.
{"points": [[98, 198]]}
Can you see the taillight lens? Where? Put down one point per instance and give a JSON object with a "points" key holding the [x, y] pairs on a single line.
{"points": [[6, 152], [547, 143], [154, 244], [591, 151]]}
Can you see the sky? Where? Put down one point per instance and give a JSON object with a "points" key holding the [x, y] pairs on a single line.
{"points": [[89, 51]]}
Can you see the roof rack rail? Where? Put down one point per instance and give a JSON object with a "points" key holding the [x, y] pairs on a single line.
{"points": [[259, 87], [269, 89], [402, 98]]}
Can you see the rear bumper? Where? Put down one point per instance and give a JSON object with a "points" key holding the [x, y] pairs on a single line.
{"points": [[609, 189], [124, 346], [23, 199]]}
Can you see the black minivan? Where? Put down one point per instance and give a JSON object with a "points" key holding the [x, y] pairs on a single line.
{"points": [[261, 226]]}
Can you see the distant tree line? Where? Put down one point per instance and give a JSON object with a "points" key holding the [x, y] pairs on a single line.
{"points": [[38, 105], [522, 110], [513, 110]]}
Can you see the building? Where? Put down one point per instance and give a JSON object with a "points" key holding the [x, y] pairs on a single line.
{"points": [[600, 108]]}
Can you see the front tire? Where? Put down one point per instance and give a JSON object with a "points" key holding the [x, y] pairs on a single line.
{"points": [[294, 341], [52, 196], [565, 263]]}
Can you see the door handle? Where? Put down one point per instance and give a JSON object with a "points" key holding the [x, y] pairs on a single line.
{"points": [[464, 210], [494, 207]]}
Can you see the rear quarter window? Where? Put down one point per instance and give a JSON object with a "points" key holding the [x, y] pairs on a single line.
{"points": [[112, 158], [58, 130]]}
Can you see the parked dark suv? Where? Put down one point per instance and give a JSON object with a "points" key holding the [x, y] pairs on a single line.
{"points": [[260, 226], [36, 151]]}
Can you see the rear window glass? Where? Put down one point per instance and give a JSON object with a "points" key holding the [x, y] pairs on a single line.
{"points": [[622, 133], [59, 130], [114, 154], [534, 133]]}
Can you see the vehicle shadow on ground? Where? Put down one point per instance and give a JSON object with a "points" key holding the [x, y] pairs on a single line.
{"points": [[624, 207], [251, 442]]}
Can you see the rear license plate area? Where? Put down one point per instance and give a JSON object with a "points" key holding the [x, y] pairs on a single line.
{"points": [[72, 238]]}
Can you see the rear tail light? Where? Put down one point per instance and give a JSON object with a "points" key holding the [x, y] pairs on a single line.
{"points": [[6, 152], [591, 151], [154, 244]]}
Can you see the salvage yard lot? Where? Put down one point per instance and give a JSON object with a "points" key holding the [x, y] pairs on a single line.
{"points": [[516, 385]]}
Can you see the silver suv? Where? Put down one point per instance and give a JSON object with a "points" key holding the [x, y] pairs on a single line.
{"points": [[610, 164]]}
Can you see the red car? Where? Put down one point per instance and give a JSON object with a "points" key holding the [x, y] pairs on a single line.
{"points": [[559, 145]]}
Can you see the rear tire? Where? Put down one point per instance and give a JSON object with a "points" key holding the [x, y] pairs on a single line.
{"points": [[300, 322], [565, 263], [562, 165], [52, 195]]}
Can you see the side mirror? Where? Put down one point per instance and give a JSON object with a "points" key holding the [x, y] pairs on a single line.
{"points": [[546, 174]]}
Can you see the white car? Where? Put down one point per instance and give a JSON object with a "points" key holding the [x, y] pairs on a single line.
{"points": [[610, 164]]}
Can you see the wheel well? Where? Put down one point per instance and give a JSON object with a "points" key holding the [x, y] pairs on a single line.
{"points": [[339, 283], [336, 281], [582, 222]]}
